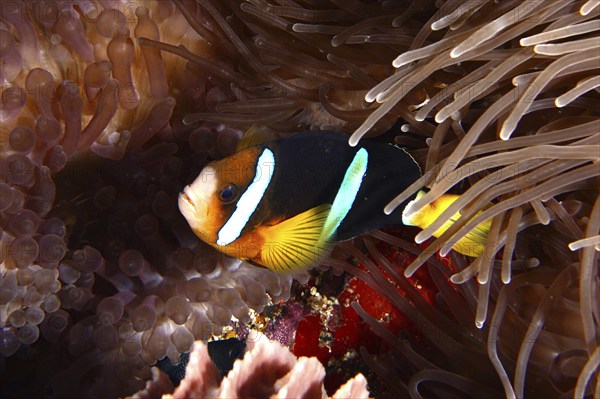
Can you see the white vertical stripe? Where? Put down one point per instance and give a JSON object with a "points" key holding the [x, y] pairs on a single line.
{"points": [[249, 200], [346, 194]]}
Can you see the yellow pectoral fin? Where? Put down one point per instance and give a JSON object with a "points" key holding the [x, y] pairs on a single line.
{"points": [[296, 244], [472, 244]]}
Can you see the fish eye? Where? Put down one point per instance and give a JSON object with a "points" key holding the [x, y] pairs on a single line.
{"points": [[228, 194]]}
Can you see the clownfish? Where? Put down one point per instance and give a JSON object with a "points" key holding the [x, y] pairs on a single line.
{"points": [[284, 204]]}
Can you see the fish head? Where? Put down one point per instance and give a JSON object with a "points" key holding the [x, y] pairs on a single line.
{"points": [[211, 199]]}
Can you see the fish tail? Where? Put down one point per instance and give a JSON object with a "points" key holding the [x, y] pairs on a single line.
{"points": [[472, 244]]}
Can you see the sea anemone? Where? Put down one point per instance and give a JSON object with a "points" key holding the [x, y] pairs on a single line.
{"points": [[95, 256], [530, 63], [108, 108]]}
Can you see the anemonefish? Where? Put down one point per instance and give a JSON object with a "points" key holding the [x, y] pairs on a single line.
{"points": [[285, 203]]}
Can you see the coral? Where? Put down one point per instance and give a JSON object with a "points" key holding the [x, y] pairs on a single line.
{"points": [[268, 369]]}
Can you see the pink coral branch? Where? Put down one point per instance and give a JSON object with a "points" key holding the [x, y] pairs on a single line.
{"points": [[268, 369]]}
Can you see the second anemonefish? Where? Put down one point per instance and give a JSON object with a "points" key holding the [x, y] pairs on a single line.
{"points": [[284, 204]]}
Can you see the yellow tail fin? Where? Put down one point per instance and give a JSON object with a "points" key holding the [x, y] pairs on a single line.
{"points": [[472, 244]]}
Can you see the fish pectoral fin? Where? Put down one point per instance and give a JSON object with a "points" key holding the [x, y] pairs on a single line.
{"points": [[296, 243]]}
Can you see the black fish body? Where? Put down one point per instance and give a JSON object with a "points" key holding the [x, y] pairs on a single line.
{"points": [[310, 170]]}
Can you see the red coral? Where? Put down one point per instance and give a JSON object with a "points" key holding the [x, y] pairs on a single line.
{"points": [[307, 339]]}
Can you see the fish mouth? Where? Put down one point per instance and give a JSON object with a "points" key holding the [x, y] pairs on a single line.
{"points": [[186, 204], [189, 202], [185, 197]]}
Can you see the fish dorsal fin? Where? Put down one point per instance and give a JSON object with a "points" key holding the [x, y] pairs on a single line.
{"points": [[296, 244], [255, 135]]}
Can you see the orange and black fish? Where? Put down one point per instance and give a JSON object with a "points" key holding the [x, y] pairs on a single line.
{"points": [[284, 204]]}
